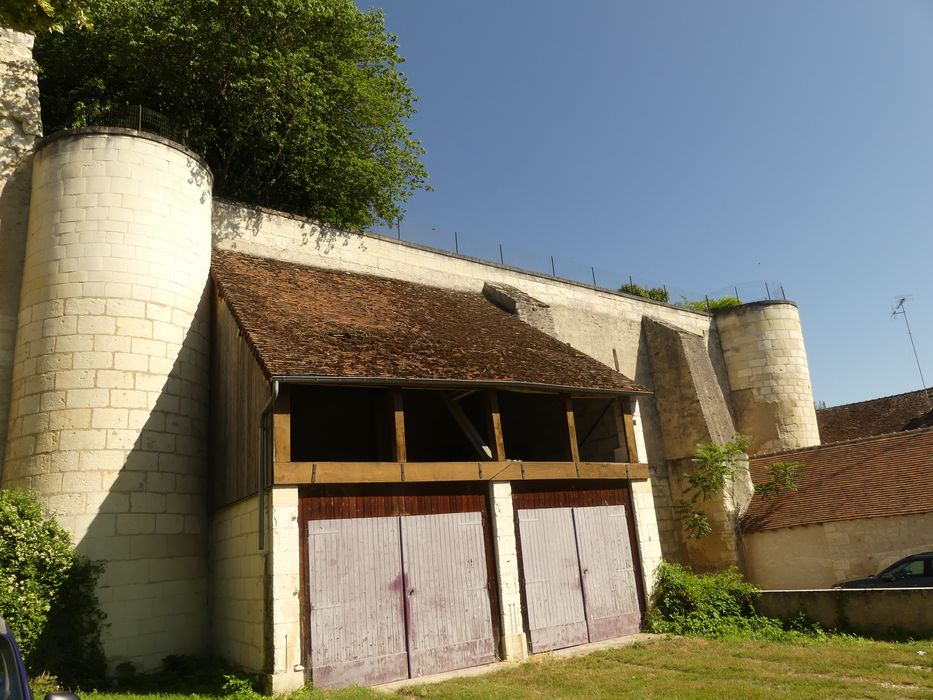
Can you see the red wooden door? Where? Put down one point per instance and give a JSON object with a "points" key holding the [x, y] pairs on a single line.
{"points": [[447, 589], [357, 618], [553, 594]]}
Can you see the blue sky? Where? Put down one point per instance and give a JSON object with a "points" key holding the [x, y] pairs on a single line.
{"points": [[699, 145]]}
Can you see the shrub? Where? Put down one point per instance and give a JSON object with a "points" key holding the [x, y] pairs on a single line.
{"points": [[711, 305], [653, 293], [718, 606], [47, 594], [711, 605]]}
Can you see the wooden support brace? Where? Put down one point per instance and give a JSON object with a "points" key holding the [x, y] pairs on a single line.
{"points": [[571, 430], [483, 451]]}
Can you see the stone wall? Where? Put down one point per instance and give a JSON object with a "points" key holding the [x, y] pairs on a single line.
{"points": [[880, 613], [237, 591], [20, 126], [108, 416], [285, 670], [772, 399], [819, 556]]}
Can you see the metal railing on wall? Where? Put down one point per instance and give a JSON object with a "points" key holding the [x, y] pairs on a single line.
{"points": [[598, 277], [138, 118]]}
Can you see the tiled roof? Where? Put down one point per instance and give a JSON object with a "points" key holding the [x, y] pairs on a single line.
{"points": [[868, 478], [875, 417], [306, 321]]}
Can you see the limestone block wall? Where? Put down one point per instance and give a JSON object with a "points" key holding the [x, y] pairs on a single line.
{"points": [[603, 324], [110, 379], [762, 345], [514, 644], [20, 126], [818, 556], [286, 672], [237, 592]]}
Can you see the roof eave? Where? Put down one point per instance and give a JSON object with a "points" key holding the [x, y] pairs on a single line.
{"points": [[425, 382]]}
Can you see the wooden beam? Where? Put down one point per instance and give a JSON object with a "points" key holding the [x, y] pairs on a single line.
{"points": [[298, 473], [571, 430], [496, 442], [282, 425], [398, 410], [482, 450], [628, 407]]}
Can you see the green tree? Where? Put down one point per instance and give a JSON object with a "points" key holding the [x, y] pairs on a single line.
{"points": [[296, 104], [36, 15]]}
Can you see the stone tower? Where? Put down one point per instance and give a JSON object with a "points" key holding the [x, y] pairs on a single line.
{"points": [[108, 411], [772, 400]]}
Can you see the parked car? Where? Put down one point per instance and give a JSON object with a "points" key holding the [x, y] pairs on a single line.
{"points": [[14, 683], [915, 571]]}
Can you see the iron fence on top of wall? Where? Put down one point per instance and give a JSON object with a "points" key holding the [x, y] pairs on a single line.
{"points": [[598, 277]]}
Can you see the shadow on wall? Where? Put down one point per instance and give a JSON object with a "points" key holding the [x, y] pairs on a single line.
{"points": [[233, 221], [14, 207], [150, 531]]}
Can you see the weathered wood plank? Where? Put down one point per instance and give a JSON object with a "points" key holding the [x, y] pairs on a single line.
{"points": [[496, 443], [296, 473], [398, 408], [282, 425], [628, 406]]}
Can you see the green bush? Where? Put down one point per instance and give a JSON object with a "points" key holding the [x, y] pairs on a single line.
{"points": [[653, 293], [707, 605], [717, 606], [47, 594], [711, 305]]}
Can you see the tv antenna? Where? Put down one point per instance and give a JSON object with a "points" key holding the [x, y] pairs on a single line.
{"points": [[901, 309]]}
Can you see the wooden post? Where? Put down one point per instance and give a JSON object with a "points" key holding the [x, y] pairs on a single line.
{"points": [[496, 443], [282, 425], [571, 430], [401, 452], [628, 408]]}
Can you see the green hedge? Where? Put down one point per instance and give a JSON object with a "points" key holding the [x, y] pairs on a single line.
{"points": [[47, 594]]}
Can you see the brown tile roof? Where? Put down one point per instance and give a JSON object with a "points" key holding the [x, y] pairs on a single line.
{"points": [[868, 478], [305, 321], [875, 417]]}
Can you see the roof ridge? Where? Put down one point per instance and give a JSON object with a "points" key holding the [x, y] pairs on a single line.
{"points": [[867, 438]]}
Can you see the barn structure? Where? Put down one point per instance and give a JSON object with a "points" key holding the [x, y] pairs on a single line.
{"points": [[338, 457]]}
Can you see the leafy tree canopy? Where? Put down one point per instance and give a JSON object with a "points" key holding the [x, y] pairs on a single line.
{"points": [[295, 104], [35, 15]]}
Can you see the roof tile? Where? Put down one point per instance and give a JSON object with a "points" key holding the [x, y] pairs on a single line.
{"points": [[306, 321], [867, 478]]}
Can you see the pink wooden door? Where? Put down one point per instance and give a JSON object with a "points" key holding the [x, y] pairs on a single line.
{"points": [[609, 589], [357, 606], [556, 617], [447, 588]]}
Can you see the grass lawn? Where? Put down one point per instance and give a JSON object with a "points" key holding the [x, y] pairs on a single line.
{"points": [[685, 668]]}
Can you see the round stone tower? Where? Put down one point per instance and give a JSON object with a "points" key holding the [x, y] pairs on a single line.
{"points": [[108, 417], [762, 344]]}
